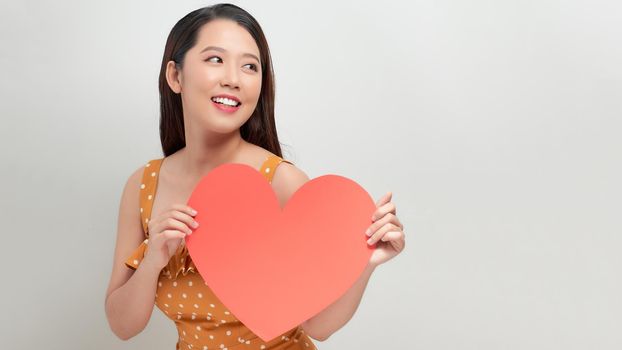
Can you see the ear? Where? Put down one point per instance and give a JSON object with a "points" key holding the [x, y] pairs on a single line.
{"points": [[173, 77]]}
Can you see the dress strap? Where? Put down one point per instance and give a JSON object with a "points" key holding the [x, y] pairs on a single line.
{"points": [[151, 173], [180, 263], [269, 166], [148, 189]]}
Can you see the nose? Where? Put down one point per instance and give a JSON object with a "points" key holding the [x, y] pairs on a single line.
{"points": [[230, 77]]}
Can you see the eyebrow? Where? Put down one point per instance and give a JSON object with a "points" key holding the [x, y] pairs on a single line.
{"points": [[223, 50]]}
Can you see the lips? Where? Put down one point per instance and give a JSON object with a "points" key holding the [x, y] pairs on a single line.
{"points": [[228, 100], [226, 103]]}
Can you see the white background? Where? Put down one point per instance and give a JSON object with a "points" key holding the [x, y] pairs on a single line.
{"points": [[496, 124]]}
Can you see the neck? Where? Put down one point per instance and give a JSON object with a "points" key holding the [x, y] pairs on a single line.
{"points": [[201, 155]]}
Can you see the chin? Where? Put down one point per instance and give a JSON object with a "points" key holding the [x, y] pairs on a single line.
{"points": [[223, 125]]}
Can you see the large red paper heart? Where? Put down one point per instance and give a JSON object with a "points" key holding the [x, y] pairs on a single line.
{"points": [[275, 268]]}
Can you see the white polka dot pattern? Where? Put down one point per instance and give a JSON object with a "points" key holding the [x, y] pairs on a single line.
{"points": [[185, 297]]}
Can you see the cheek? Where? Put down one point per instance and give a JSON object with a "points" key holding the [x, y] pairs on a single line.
{"points": [[253, 88], [257, 88], [209, 79], [203, 78]]}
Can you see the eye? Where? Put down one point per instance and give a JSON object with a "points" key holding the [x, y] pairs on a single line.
{"points": [[211, 59], [252, 66]]}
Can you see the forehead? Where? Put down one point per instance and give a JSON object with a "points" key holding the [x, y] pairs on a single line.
{"points": [[227, 34]]}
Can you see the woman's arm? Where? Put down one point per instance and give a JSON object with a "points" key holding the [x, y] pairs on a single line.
{"points": [[287, 179], [129, 307], [388, 233], [131, 294], [337, 314]]}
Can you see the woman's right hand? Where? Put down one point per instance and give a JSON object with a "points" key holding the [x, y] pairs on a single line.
{"points": [[167, 231]]}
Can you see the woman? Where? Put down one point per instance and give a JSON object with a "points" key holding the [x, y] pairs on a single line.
{"points": [[217, 106]]}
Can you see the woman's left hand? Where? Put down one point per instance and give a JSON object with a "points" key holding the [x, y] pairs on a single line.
{"points": [[387, 230]]}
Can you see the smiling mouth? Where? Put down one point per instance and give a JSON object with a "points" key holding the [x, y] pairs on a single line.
{"points": [[226, 101]]}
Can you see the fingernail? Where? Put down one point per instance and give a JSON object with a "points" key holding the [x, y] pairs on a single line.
{"points": [[195, 224], [194, 212], [368, 232], [369, 241]]}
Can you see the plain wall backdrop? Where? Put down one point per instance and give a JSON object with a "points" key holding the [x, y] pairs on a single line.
{"points": [[496, 124]]}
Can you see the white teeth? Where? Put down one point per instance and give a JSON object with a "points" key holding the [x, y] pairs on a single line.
{"points": [[225, 101]]}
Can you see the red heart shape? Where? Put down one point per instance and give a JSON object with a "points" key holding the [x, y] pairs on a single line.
{"points": [[275, 268]]}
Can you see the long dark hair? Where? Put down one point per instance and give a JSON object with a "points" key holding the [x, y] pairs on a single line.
{"points": [[260, 129]]}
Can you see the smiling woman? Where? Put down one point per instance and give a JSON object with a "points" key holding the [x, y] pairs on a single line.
{"points": [[219, 52], [217, 106]]}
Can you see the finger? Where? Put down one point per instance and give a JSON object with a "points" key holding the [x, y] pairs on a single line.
{"points": [[392, 236], [378, 224], [397, 222], [184, 208], [385, 199], [383, 210], [395, 239], [172, 223], [172, 234], [155, 222], [183, 217], [381, 232], [389, 218]]}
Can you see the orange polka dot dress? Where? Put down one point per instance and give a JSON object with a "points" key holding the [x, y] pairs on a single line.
{"points": [[202, 321]]}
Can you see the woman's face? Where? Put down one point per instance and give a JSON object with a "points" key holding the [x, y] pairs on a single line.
{"points": [[220, 82]]}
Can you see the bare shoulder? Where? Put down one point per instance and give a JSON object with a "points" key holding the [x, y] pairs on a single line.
{"points": [[132, 185], [136, 177], [287, 179]]}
